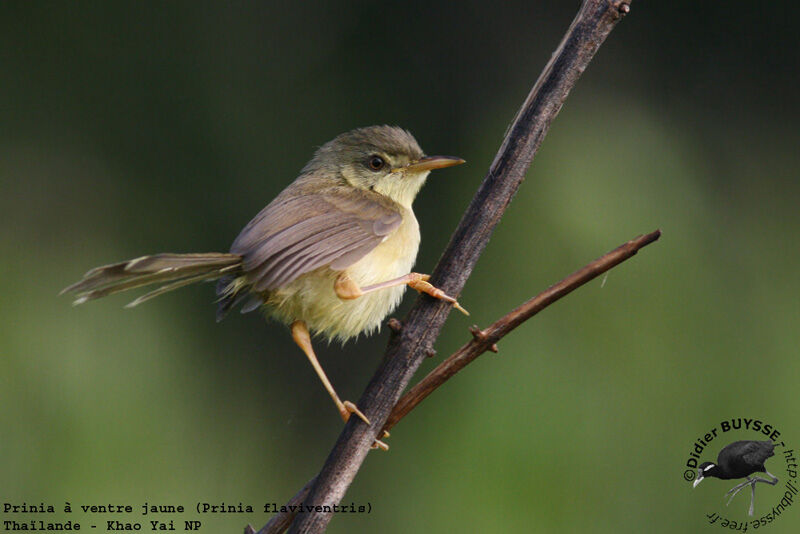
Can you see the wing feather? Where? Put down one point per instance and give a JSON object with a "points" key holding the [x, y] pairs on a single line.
{"points": [[756, 453], [307, 260], [296, 234]]}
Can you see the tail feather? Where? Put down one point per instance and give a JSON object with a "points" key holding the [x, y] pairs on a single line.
{"points": [[175, 285], [227, 300], [159, 262], [175, 270]]}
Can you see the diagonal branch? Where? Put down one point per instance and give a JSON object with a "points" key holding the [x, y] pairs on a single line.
{"points": [[483, 341], [408, 349]]}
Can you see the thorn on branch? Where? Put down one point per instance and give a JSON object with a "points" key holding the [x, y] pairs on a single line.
{"points": [[494, 348], [624, 8], [478, 334], [249, 530], [394, 325], [430, 353]]}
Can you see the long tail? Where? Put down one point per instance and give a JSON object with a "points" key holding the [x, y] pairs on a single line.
{"points": [[177, 270]]}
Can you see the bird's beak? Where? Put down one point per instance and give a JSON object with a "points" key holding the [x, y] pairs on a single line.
{"points": [[429, 163], [697, 481]]}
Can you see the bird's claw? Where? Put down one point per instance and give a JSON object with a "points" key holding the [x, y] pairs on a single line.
{"points": [[378, 444], [348, 408], [422, 285]]}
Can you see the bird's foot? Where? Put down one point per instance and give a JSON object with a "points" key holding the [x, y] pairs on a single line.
{"points": [[346, 408], [736, 489], [379, 444], [421, 284]]}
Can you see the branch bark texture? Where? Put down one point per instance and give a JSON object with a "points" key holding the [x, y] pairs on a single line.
{"points": [[409, 347]]}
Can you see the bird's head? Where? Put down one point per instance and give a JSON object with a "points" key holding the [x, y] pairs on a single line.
{"points": [[706, 469], [384, 159]]}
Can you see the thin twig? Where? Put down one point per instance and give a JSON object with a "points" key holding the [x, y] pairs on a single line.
{"points": [[410, 346], [485, 341]]}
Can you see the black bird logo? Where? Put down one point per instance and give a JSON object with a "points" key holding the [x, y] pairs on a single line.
{"points": [[737, 460]]}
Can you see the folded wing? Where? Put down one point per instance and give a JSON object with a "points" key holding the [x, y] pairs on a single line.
{"points": [[294, 235]]}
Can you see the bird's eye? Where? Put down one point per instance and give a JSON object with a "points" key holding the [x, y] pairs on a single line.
{"points": [[376, 163]]}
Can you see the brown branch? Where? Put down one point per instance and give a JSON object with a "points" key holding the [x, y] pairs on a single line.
{"points": [[408, 348], [486, 340], [483, 341], [282, 520]]}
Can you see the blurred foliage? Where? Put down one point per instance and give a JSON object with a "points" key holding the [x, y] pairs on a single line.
{"points": [[131, 128]]}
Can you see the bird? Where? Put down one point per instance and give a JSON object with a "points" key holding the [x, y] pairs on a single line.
{"points": [[330, 256], [740, 459]]}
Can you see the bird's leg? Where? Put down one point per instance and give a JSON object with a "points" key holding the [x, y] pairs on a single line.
{"points": [[770, 482], [346, 289], [752, 481], [738, 488], [765, 481], [303, 339], [753, 488]]}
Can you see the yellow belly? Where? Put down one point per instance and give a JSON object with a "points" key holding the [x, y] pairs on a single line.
{"points": [[311, 297]]}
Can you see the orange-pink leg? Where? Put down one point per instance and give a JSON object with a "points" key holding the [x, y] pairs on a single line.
{"points": [[303, 339], [346, 289]]}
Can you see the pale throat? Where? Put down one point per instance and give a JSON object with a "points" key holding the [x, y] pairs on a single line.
{"points": [[402, 188]]}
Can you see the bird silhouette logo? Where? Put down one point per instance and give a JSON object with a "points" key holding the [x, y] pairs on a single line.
{"points": [[740, 459]]}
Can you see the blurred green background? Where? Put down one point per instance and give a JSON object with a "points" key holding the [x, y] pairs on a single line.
{"points": [[146, 127]]}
